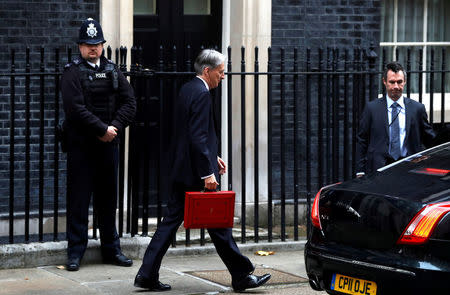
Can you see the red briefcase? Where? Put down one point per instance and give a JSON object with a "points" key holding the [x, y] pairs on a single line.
{"points": [[209, 209]]}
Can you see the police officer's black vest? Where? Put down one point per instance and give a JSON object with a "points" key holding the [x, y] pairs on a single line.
{"points": [[99, 89]]}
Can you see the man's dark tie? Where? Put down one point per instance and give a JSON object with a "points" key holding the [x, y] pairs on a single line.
{"points": [[96, 67], [395, 132]]}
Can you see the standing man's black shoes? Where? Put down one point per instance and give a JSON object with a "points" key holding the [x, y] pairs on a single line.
{"points": [[118, 259], [250, 281], [144, 283], [73, 264]]}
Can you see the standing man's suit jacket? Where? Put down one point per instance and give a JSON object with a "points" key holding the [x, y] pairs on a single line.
{"points": [[372, 147], [194, 147]]}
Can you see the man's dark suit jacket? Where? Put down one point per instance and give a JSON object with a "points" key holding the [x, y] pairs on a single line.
{"points": [[194, 148], [372, 148], [194, 152]]}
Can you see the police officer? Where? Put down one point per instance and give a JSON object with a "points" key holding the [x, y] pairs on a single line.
{"points": [[98, 104]]}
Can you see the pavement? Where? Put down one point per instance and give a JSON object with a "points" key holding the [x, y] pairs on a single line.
{"points": [[189, 270]]}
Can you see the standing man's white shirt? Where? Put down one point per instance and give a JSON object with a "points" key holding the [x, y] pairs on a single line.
{"points": [[93, 65], [401, 119]]}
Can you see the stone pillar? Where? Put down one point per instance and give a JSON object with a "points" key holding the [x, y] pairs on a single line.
{"points": [[116, 18], [247, 23]]}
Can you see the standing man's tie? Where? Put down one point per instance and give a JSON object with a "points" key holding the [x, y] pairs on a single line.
{"points": [[394, 142]]}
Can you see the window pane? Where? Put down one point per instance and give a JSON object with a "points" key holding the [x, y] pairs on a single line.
{"points": [[438, 27], [198, 7], [144, 7], [437, 64], [387, 25], [413, 62], [410, 20]]}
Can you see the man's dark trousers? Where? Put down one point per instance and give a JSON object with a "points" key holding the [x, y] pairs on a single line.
{"points": [[237, 264], [90, 170]]}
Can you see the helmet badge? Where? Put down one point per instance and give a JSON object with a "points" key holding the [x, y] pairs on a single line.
{"points": [[91, 30]]}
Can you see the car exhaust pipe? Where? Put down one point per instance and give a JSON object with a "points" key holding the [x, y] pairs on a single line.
{"points": [[314, 283]]}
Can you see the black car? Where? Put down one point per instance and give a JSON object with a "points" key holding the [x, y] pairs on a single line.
{"points": [[386, 233]]}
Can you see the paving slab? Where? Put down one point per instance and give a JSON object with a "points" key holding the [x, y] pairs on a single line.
{"points": [[39, 281], [180, 271]]}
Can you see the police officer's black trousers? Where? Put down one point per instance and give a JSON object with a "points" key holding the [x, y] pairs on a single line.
{"points": [[92, 171], [237, 264]]}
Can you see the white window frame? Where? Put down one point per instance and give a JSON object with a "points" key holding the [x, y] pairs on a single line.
{"points": [[424, 45]]}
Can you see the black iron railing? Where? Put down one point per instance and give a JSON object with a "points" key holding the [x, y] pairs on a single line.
{"points": [[312, 104]]}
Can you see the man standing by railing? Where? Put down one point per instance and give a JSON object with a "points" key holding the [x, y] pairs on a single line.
{"points": [[98, 103], [196, 166], [391, 127]]}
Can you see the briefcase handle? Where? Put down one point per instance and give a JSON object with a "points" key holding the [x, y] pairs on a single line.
{"points": [[205, 190]]}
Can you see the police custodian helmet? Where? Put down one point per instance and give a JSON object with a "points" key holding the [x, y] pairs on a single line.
{"points": [[91, 33]]}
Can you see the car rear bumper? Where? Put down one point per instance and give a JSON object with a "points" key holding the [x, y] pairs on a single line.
{"points": [[321, 266]]}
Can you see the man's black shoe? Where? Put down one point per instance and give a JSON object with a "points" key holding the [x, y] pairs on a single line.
{"points": [[141, 282], [250, 281], [119, 259], [73, 264]]}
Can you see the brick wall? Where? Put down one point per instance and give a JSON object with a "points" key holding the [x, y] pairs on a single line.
{"points": [[314, 24], [34, 24]]}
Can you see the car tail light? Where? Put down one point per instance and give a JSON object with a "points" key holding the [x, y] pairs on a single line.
{"points": [[315, 218], [315, 211], [422, 225], [432, 171]]}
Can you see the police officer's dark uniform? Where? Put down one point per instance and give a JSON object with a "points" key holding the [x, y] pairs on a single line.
{"points": [[93, 100]]}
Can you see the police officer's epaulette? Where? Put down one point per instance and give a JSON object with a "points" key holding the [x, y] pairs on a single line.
{"points": [[110, 61], [75, 61]]}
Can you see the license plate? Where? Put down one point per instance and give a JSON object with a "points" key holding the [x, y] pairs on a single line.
{"points": [[350, 285]]}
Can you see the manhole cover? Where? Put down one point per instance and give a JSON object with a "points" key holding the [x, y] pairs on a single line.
{"points": [[223, 277]]}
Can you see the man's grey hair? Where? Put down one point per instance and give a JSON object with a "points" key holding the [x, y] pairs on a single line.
{"points": [[208, 58]]}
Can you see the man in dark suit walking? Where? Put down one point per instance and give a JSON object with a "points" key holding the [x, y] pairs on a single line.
{"points": [[196, 166], [391, 127]]}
